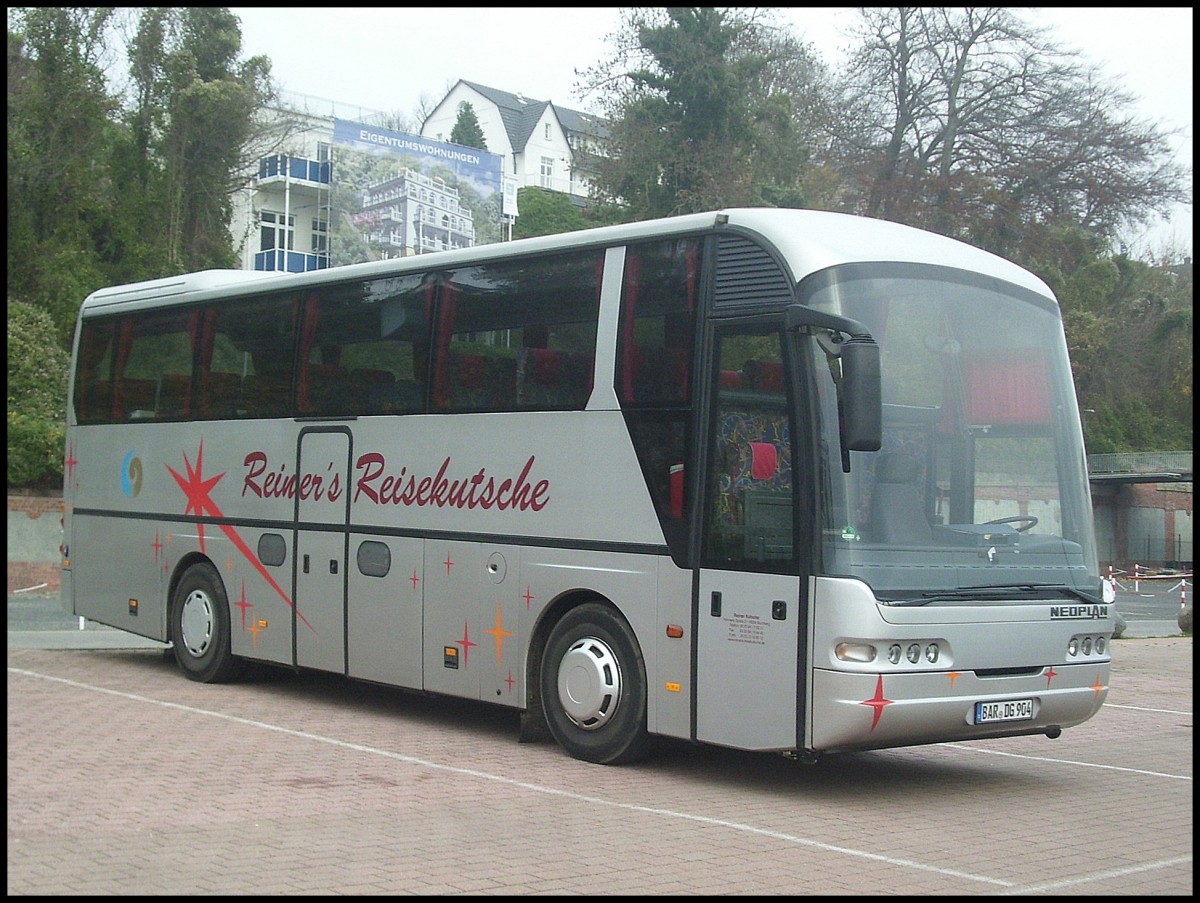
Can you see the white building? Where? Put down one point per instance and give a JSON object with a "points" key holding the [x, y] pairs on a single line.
{"points": [[542, 143]]}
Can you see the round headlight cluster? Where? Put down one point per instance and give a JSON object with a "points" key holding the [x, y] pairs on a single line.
{"points": [[1086, 645], [914, 653]]}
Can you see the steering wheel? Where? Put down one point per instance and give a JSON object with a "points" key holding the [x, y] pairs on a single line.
{"points": [[1027, 522]]}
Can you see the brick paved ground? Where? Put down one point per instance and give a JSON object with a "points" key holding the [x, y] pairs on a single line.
{"points": [[123, 777]]}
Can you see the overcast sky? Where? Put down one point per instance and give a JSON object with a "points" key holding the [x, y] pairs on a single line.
{"points": [[389, 59]]}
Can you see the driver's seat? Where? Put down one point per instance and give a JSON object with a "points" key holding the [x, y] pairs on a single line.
{"points": [[897, 514]]}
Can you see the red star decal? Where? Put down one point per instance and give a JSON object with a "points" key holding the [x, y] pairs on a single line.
{"points": [[448, 563], [877, 702], [197, 491], [510, 681], [244, 606], [71, 461], [157, 546], [415, 579], [466, 643], [528, 597], [1050, 675]]}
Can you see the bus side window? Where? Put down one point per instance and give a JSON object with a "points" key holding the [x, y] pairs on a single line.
{"points": [[517, 335], [657, 334], [249, 344], [93, 383]]}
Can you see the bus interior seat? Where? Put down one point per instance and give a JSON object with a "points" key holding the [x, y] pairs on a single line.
{"points": [[897, 514], [478, 382], [266, 396], [174, 395], [553, 379], [763, 376], [659, 373], [538, 378], [134, 399], [375, 388], [221, 392], [94, 403], [328, 390]]}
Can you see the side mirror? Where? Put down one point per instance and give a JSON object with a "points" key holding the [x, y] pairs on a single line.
{"points": [[861, 399], [862, 396]]}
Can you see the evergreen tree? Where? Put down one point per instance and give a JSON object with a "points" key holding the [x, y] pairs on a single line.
{"points": [[467, 131], [703, 108]]}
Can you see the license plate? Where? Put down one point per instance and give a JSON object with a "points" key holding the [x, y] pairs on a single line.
{"points": [[1008, 710]]}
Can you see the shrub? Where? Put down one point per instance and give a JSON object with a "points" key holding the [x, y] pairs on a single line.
{"points": [[37, 398]]}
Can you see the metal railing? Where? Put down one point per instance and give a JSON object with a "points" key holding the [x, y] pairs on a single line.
{"points": [[1141, 462]]}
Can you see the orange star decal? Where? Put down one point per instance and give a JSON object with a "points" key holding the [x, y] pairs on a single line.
{"points": [[499, 633]]}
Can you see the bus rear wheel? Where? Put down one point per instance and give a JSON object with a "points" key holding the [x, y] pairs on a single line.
{"points": [[593, 684], [200, 631]]}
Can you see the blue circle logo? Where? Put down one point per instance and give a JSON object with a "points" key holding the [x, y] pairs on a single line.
{"points": [[131, 475]]}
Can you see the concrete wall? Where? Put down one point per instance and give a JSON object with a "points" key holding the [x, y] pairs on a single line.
{"points": [[34, 535]]}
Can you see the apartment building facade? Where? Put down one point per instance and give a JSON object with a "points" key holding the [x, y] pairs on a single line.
{"points": [[312, 205]]}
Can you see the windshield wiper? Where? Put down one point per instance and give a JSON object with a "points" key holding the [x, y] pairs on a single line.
{"points": [[996, 590]]}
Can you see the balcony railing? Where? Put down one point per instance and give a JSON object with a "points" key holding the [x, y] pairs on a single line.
{"points": [[279, 166], [281, 261]]}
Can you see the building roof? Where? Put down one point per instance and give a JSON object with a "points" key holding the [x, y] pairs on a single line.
{"points": [[520, 114]]}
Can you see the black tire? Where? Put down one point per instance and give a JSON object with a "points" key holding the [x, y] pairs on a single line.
{"points": [[200, 627], [593, 683]]}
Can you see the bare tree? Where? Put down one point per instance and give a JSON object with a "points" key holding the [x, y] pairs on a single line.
{"points": [[969, 121]]}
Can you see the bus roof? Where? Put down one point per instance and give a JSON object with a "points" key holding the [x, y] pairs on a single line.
{"points": [[170, 286], [811, 240]]}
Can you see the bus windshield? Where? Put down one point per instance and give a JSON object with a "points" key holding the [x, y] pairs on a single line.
{"points": [[980, 480]]}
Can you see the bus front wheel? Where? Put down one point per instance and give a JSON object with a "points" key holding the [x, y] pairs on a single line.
{"points": [[593, 684], [200, 627]]}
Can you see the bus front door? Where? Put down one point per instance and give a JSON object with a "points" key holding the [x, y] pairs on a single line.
{"points": [[746, 663], [749, 618], [322, 513]]}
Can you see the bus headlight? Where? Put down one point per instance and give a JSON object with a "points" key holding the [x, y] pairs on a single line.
{"points": [[854, 652], [931, 653], [914, 653], [1073, 646], [894, 653]]}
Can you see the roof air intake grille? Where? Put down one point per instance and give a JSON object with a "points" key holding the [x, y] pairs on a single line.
{"points": [[746, 274]]}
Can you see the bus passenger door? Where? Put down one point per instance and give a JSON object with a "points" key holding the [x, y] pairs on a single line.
{"points": [[322, 512], [749, 619], [746, 660]]}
